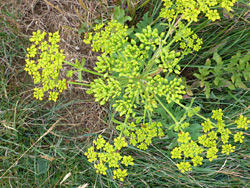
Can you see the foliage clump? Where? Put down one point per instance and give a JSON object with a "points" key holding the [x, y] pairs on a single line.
{"points": [[191, 9], [209, 142], [141, 137], [137, 70], [231, 75], [106, 155]]}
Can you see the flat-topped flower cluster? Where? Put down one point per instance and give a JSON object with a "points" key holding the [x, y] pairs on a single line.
{"points": [[44, 62], [209, 142], [191, 9]]}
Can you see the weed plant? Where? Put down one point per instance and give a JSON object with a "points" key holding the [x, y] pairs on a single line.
{"points": [[139, 76]]}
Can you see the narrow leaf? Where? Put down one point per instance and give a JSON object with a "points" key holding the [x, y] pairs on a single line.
{"points": [[65, 177], [83, 6], [207, 89]]}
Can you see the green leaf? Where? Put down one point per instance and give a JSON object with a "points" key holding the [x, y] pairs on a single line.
{"points": [[217, 81], [218, 59], [245, 58], [246, 72], [77, 64], [205, 70], [146, 20], [234, 59], [194, 130], [197, 75], [239, 83], [231, 86], [119, 15], [207, 89], [172, 145], [188, 90], [226, 83], [202, 82], [130, 30], [83, 62], [163, 113], [171, 133], [233, 77]]}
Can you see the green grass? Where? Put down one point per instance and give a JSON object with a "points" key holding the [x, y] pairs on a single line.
{"points": [[31, 155]]}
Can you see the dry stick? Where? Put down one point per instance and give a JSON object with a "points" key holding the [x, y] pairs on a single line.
{"points": [[50, 129], [56, 7], [176, 25]]}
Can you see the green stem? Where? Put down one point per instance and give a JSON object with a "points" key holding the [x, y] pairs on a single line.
{"points": [[86, 70], [149, 117], [92, 72], [144, 117], [157, 53], [171, 115], [80, 75], [200, 116], [125, 122], [155, 20], [83, 69], [143, 4], [186, 108]]}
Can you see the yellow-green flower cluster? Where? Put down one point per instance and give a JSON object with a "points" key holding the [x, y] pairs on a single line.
{"points": [[208, 142], [189, 41], [132, 70], [105, 155], [190, 9], [141, 137], [187, 149], [104, 91], [43, 63], [242, 123], [111, 39]]}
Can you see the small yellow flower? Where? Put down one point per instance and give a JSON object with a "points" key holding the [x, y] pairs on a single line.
{"points": [[211, 153], [47, 64], [197, 160], [119, 174], [183, 137], [38, 93], [207, 125], [242, 122], [217, 114], [176, 153], [238, 137], [184, 166], [126, 160], [227, 148], [101, 168]]}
